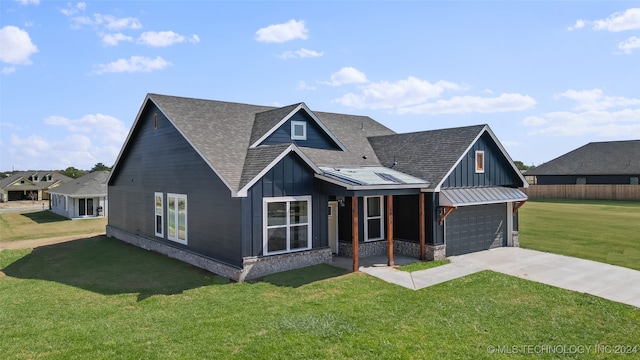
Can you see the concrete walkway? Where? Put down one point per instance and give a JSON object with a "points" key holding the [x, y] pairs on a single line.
{"points": [[603, 280]]}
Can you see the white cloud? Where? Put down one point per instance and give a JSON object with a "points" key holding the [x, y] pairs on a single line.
{"points": [[303, 86], [72, 10], [596, 100], [133, 64], [387, 95], [616, 22], [115, 39], [302, 53], [578, 25], [164, 38], [113, 23], [27, 2], [347, 75], [16, 46], [629, 45], [620, 21], [6, 70], [470, 104], [90, 139], [279, 33], [624, 123]]}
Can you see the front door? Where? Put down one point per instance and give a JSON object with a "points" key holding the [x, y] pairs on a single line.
{"points": [[333, 226]]}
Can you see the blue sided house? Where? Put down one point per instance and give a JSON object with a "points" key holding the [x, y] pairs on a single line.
{"points": [[245, 190]]}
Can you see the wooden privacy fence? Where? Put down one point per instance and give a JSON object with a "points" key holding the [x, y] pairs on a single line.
{"points": [[584, 192]]}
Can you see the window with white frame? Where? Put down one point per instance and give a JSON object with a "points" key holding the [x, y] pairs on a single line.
{"points": [[287, 224], [159, 214], [298, 130], [177, 218], [373, 210], [479, 161]]}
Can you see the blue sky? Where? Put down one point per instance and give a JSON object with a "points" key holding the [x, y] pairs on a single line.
{"points": [[547, 76]]}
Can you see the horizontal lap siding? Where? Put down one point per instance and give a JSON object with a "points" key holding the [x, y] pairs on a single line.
{"points": [[161, 160], [289, 177]]}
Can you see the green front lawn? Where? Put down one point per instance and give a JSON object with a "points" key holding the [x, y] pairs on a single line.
{"points": [[102, 299], [44, 224], [605, 231]]}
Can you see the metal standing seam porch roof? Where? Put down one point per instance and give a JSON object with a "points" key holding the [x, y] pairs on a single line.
{"points": [[480, 196]]}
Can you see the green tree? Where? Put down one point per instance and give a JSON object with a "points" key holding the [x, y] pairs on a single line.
{"points": [[100, 167], [520, 165], [72, 172]]}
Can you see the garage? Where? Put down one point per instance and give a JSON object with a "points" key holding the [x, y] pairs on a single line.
{"points": [[476, 228]]}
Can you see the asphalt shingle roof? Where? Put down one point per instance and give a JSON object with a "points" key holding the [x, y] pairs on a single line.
{"points": [[37, 185], [428, 155], [223, 131], [92, 184], [596, 158]]}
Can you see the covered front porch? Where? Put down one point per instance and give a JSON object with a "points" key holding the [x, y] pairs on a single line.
{"points": [[378, 211]]}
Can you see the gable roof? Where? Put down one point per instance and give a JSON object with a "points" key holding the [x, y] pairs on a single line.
{"points": [[432, 155], [92, 184], [595, 158], [56, 177], [222, 133]]}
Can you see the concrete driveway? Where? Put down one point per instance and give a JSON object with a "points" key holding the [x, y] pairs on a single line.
{"points": [[603, 280]]}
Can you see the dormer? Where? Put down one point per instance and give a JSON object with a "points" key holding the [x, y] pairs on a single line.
{"points": [[294, 124]]}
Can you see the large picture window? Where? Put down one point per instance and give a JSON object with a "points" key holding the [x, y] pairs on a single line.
{"points": [[287, 224], [159, 214], [177, 218], [374, 226]]}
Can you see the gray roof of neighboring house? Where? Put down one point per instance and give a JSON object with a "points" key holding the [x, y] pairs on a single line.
{"points": [[429, 155], [595, 158], [92, 184], [56, 177], [223, 131]]}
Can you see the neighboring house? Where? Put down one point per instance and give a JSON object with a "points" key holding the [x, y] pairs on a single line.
{"points": [[27, 185], [245, 190], [597, 163], [83, 197]]}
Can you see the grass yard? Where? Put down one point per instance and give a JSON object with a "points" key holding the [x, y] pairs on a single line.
{"points": [[102, 299], [605, 231], [44, 224]]}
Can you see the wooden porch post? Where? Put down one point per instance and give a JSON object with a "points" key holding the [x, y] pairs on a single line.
{"points": [[422, 226], [390, 230], [354, 231]]}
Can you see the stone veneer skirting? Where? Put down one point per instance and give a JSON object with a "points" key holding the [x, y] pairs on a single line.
{"points": [[403, 247], [252, 267], [515, 239]]}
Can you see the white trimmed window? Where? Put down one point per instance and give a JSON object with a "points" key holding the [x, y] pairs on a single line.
{"points": [[373, 210], [298, 130], [159, 214], [177, 218], [479, 161], [287, 224]]}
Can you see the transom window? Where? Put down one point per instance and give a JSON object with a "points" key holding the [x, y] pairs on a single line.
{"points": [[298, 130], [287, 224], [479, 161], [177, 218], [159, 214], [374, 226]]}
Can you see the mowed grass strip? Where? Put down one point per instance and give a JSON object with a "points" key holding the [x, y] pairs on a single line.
{"points": [[604, 231], [102, 299], [45, 224]]}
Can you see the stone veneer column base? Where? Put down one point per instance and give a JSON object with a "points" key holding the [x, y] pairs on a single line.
{"points": [[402, 247], [515, 239], [253, 267]]}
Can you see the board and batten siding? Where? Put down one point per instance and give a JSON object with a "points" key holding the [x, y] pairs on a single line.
{"points": [[289, 177], [497, 169], [316, 137], [161, 160], [588, 179]]}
